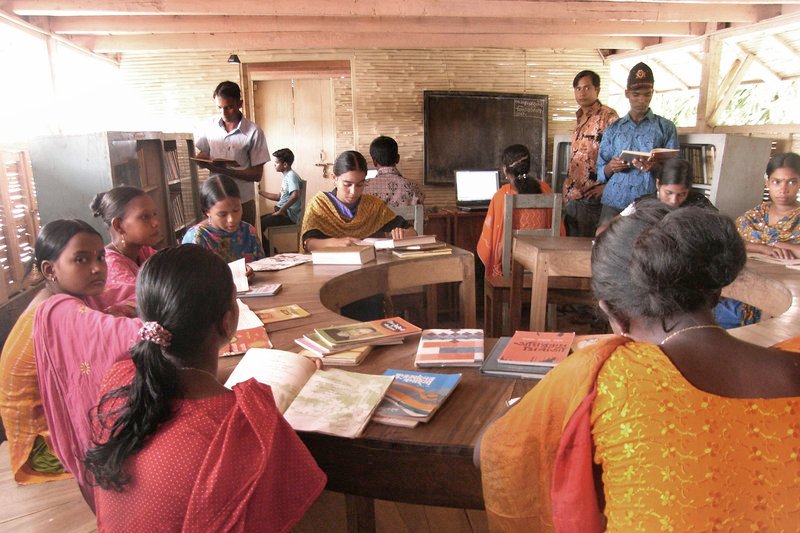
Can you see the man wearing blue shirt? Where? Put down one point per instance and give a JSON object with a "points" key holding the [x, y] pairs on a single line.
{"points": [[640, 130]]}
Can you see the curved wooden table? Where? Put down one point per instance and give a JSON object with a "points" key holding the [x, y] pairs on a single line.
{"points": [[430, 464]]}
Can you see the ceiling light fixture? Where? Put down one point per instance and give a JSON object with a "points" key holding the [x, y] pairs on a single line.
{"points": [[233, 58]]}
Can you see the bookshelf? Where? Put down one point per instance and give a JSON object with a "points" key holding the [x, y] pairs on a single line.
{"points": [[181, 181], [69, 170]]}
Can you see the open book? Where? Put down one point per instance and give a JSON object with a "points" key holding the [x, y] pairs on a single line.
{"points": [[659, 154], [218, 161], [250, 333], [334, 402]]}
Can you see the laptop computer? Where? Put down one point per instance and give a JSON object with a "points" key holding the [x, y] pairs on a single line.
{"points": [[475, 188]]}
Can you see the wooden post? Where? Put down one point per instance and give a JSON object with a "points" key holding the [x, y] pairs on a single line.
{"points": [[709, 83]]}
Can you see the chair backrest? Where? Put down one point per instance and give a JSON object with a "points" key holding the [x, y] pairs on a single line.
{"points": [[414, 214], [528, 201]]}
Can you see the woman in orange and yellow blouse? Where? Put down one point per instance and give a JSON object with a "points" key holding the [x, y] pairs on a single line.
{"points": [[674, 425]]}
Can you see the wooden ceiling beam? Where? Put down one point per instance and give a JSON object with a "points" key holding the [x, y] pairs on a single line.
{"points": [[328, 40], [734, 11], [143, 25]]}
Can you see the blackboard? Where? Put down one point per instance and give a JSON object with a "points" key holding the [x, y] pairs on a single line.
{"points": [[470, 130]]}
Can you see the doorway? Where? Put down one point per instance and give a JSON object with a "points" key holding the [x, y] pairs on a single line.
{"points": [[298, 114]]}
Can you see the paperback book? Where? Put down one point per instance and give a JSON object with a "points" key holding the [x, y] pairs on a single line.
{"points": [[351, 357], [493, 367], [255, 291], [279, 262], [422, 251], [334, 402], [343, 255], [314, 344], [414, 396], [366, 332], [278, 314], [450, 347], [388, 244], [250, 333], [537, 348]]}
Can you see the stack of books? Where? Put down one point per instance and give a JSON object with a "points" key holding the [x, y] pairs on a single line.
{"points": [[528, 354], [413, 397], [336, 339]]}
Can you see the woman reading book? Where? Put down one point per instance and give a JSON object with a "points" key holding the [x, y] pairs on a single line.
{"points": [[172, 445], [345, 216], [516, 164], [673, 425]]}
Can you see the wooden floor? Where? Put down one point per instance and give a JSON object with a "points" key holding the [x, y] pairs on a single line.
{"points": [[59, 507]]}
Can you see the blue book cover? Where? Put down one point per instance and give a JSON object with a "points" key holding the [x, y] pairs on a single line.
{"points": [[416, 395]]}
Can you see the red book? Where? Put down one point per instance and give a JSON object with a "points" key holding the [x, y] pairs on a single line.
{"points": [[245, 339], [537, 348]]}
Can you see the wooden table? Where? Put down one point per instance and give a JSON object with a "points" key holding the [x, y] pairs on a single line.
{"points": [[571, 256], [431, 464], [544, 257]]}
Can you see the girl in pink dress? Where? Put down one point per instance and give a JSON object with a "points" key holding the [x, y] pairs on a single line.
{"points": [[130, 216]]}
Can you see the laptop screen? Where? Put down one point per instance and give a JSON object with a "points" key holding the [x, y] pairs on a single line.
{"points": [[476, 185]]}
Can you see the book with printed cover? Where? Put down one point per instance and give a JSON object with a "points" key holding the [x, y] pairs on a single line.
{"points": [[351, 357], [492, 367], [279, 262], [267, 289], [414, 396], [537, 348], [250, 333], [313, 343], [366, 332], [332, 401], [284, 312], [450, 347]]}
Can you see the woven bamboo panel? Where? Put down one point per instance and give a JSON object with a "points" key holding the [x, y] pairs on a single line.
{"points": [[383, 96]]}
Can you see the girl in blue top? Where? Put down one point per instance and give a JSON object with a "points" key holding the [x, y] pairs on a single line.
{"points": [[224, 232]]}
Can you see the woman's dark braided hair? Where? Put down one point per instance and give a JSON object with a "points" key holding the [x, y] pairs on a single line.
{"points": [[658, 264], [517, 160], [186, 290]]}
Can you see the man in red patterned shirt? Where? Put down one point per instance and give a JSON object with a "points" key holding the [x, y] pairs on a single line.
{"points": [[581, 191]]}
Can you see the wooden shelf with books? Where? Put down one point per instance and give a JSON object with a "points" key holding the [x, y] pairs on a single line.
{"points": [[181, 179]]}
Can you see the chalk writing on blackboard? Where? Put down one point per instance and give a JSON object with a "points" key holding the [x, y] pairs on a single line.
{"points": [[528, 108]]}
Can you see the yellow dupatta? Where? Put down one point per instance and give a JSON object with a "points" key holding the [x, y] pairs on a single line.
{"points": [[321, 215]]}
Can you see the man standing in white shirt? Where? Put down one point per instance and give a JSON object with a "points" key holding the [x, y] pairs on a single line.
{"points": [[231, 136]]}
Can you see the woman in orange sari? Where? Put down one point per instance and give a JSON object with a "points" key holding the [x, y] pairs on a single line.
{"points": [[673, 426], [516, 163]]}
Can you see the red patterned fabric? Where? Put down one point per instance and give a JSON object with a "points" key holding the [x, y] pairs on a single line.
{"points": [[225, 463]]}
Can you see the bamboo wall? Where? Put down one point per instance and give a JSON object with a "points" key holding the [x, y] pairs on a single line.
{"points": [[382, 97]]}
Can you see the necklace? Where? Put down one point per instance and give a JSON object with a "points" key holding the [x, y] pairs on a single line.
{"points": [[684, 330], [206, 372]]}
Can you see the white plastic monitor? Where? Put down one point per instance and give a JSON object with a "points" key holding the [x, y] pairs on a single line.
{"points": [[476, 185]]}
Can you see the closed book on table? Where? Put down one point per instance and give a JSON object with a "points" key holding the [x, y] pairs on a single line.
{"points": [[493, 367], [450, 347], [365, 332], [343, 255], [414, 396], [537, 348], [387, 244]]}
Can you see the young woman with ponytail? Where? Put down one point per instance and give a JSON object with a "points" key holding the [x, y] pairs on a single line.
{"points": [[516, 166], [172, 446]]}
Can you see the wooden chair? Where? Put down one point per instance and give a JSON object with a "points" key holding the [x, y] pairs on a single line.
{"points": [[413, 298], [271, 232], [497, 289]]}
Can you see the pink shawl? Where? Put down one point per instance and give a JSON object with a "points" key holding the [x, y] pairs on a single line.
{"points": [[74, 347]]}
